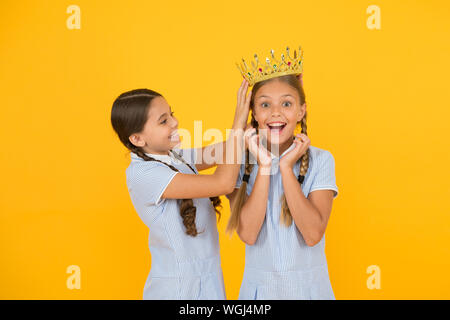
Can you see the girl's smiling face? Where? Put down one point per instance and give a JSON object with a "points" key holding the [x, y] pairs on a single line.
{"points": [[160, 130], [277, 109]]}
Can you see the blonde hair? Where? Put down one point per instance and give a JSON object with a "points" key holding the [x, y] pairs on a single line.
{"points": [[236, 208]]}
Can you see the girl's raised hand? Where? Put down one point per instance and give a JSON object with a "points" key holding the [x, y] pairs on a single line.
{"points": [[302, 143], [262, 155], [242, 107]]}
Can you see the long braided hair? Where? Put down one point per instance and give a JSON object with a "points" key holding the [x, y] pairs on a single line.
{"points": [[128, 116], [286, 217]]}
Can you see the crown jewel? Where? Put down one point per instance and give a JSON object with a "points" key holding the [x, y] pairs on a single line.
{"points": [[272, 67]]}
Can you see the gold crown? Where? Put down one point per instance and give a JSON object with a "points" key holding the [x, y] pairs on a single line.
{"points": [[273, 67]]}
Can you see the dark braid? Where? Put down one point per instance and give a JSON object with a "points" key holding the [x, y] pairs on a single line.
{"points": [[187, 209], [216, 202]]}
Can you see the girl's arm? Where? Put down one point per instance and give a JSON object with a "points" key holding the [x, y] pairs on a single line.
{"points": [[310, 214], [188, 186], [210, 150], [219, 157], [253, 211], [222, 181]]}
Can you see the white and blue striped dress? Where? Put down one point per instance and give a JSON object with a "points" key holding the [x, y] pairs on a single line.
{"points": [[280, 265], [182, 267]]}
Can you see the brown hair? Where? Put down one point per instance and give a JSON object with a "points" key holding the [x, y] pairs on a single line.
{"points": [[128, 116], [286, 217]]}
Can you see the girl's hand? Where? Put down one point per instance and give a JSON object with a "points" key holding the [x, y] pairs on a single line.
{"points": [[262, 155], [242, 107], [302, 144]]}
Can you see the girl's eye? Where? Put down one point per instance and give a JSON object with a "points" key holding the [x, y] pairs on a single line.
{"points": [[165, 120], [264, 104], [286, 104]]}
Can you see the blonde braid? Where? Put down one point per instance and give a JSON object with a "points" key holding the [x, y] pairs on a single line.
{"points": [[286, 217], [233, 222]]}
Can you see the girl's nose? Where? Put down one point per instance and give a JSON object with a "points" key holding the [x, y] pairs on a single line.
{"points": [[276, 111], [174, 122]]}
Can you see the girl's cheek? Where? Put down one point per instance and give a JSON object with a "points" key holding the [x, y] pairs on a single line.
{"points": [[262, 116]]}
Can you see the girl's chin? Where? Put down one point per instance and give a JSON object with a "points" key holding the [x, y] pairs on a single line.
{"points": [[277, 139], [175, 143]]}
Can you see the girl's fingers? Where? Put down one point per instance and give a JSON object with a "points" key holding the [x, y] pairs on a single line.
{"points": [[254, 138], [302, 137], [243, 98], [302, 142], [253, 145], [299, 143], [239, 94], [240, 88], [248, 133], [258, 151], [247, 99]]}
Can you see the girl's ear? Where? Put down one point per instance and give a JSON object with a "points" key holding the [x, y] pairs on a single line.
{"points": [[302, 112], [136, 140]]}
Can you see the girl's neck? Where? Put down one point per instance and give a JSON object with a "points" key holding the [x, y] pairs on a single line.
{"points": [[281, 147], [162, 153]]}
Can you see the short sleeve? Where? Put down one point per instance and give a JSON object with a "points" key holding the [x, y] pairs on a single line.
{"points": [[147, 182], [325, 178]]}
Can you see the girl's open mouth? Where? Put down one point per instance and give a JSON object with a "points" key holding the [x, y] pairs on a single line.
{"points": [[276, 127], [174, 136]]}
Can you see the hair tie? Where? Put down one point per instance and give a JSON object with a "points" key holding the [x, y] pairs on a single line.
{"points": [[300, 178], [246, 177]]}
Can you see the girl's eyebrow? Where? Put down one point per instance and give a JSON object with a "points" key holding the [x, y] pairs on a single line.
{"points": [[284, 95], [165, 113]]}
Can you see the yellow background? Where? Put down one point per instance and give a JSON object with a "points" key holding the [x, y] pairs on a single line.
{"points": [[378, 100]]}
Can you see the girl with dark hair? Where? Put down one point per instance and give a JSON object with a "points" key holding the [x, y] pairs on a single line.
{"points": [[173, 200]]}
